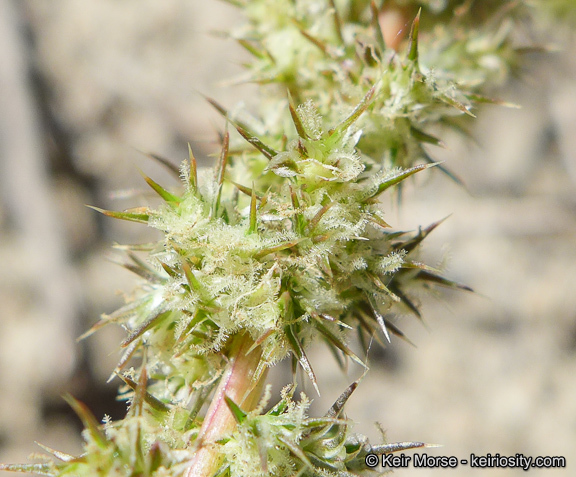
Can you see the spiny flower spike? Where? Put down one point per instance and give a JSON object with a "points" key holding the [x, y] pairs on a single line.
{"points": [[286, 438], [308, 163], [411, 95], [302, 260], [139, 442], [284, 242]]}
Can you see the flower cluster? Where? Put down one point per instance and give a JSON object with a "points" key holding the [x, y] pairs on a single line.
{"points": [[285, 441], [284, 241], [310, 256], [331, 51]]}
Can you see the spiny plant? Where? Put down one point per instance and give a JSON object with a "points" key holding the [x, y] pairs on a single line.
{"points": [[284, 242], [332, 53]]}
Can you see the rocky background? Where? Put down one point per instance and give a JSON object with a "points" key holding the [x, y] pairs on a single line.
{"points": [[85, 86]]}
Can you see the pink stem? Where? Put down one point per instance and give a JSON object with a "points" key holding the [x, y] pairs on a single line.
{"points": [[236, 383]]}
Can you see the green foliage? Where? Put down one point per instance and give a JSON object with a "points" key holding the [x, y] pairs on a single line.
{"points": [[284, 241]]}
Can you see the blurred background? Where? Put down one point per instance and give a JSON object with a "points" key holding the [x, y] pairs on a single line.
{"points": [[86, 86]]}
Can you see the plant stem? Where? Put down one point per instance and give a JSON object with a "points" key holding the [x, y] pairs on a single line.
{"points": [[238, 384]]}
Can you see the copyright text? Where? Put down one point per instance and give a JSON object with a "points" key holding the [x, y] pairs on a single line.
{"points": [[517, 461]]}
